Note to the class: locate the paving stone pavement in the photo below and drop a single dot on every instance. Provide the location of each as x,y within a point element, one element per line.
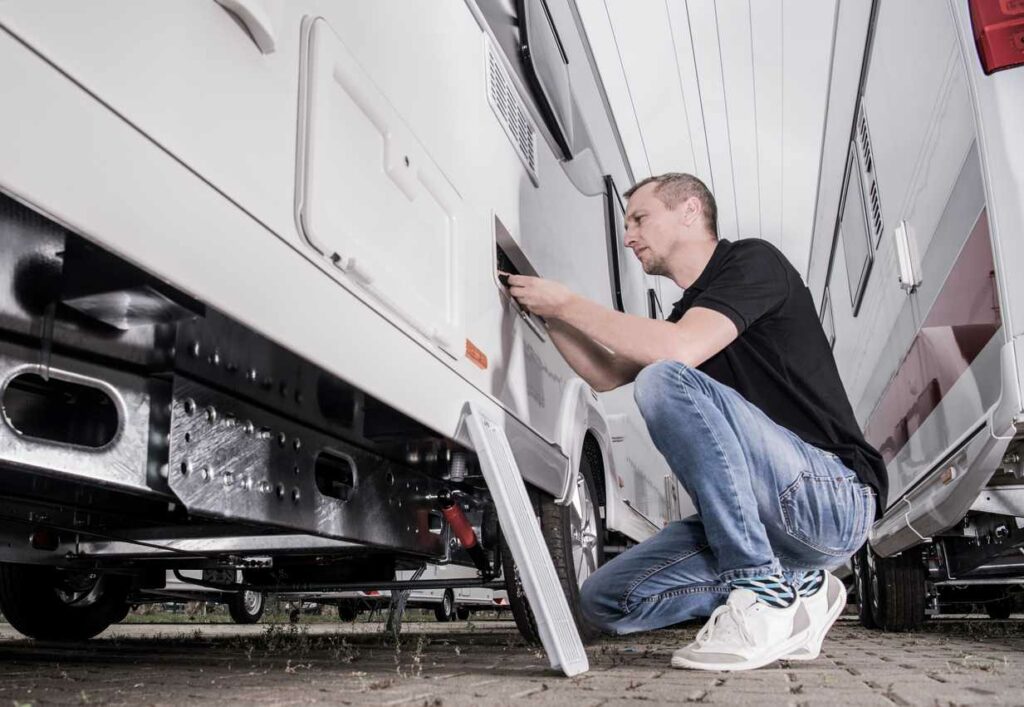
<point>950,662</point>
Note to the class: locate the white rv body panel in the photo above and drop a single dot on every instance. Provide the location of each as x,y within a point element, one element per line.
<point>929,365</point>
<point>190,140</point>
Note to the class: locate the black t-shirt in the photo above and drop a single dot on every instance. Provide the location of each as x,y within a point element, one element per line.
<point>781,361</point>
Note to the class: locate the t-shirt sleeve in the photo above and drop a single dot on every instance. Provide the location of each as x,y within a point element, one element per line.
<point>750,285</point>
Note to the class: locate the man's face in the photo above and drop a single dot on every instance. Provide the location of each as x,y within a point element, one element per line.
<point>653,229</point>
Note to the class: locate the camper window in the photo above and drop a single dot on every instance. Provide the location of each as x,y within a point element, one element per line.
<point>854,235</point>
<point>828,324</point>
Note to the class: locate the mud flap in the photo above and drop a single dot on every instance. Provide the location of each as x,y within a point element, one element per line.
<point>558,632</point>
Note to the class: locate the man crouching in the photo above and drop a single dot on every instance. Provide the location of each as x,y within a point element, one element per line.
<point>742,396</point>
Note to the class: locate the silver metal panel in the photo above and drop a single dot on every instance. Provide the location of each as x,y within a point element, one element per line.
<point>935,505</point>
<point>122,463</point>
<point>1008,501</point>
<point>234,461</point>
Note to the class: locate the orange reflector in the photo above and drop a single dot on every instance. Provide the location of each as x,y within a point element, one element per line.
<point>948,475</point>
<point>475,355</point>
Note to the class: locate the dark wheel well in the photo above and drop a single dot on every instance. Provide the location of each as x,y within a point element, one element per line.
<point>592,452</point>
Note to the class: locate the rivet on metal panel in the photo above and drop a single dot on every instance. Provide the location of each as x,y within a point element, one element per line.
<point>190,406</point>
<point>248,427</point>
<point>251,375</point>
<point>296,469</point>
<point>390,478</point>
<point>280,490</point>
<point>188,437</point>
<point>207,474</point>
<point>282,439</point>
<point>186,468</point>
<point>215,358</point>
<point>194,349</point>
<point>211,415</point>
<point>246,483</point>
<point>295,495</point>
<point>264,486</point>
<point>297,444</point>
<point>228,478</point>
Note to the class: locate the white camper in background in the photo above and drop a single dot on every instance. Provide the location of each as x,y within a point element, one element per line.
<point>913,265</point>
<point>249,290</point>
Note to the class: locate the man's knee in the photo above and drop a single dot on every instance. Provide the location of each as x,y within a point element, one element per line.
<point>599,606</point>
<point>653,385</point>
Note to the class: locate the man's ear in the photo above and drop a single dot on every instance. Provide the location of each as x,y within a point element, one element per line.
<point>691,210</point>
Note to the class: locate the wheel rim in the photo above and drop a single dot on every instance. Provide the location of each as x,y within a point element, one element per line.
<point>876,607</point>
<point>252,601</point>
<point>583,528</point>
<point>447,604</point>
<point>79,589</point>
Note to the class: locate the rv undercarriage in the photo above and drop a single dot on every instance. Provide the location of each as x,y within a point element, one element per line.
<point>143,431</point>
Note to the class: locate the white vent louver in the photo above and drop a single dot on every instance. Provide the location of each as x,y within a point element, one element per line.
<point>867,166</point>
<point>511,112</point>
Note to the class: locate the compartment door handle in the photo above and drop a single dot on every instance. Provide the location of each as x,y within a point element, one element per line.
<point>253,15</point>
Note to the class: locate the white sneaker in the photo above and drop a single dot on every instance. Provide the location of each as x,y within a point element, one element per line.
<point>745,633</point>
<point>823,608</point>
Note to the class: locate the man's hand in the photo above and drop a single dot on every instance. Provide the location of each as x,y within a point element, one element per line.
<point>545,298</point>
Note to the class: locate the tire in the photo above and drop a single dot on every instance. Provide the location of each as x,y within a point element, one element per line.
<point>898,590</point>
<point>348,610</point>
<point>53,605</point>
<point>246,607</point>
<point>862,588</point>
<point>462,613</point>
<point>445,611</point>
<point>574,535</point>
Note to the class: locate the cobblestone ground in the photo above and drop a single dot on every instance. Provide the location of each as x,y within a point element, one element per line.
<point>951,662</point>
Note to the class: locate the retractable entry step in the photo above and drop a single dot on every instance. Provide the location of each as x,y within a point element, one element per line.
<point>522,533</point>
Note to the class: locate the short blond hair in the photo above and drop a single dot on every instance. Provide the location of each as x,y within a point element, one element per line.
<point>673,188</point>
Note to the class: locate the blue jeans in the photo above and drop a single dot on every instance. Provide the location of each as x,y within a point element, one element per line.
<point>767,502</point>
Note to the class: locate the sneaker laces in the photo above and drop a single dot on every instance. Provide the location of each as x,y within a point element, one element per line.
<point>723,619</point>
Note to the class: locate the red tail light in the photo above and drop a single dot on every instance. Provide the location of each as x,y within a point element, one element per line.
<point>999,33</point>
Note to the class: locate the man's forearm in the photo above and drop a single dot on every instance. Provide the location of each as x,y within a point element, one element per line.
<point>634,341</point>
<point>600,368</point>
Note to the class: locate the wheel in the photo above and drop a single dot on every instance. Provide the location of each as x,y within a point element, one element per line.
<point>58,605</point>
<point>574,535</point>
<point>862,588</point>
<point>462,613</point>
<point>445,611</point>
<point>898,591</point>
<point>246,607</point>
<point>348,610</point>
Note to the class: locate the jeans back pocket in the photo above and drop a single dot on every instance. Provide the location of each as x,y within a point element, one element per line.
<point>829,513</point>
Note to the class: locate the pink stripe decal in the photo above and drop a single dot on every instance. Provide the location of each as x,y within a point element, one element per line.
<point>962,321</point>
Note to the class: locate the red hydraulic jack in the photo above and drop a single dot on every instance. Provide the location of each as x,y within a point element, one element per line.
<point>463,530</point>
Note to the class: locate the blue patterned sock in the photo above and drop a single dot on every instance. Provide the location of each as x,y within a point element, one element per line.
<point>810,583</point>
<point>772,589</point>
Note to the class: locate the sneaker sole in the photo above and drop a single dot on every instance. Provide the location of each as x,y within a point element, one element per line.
<point>812,648</point>
<point>759,662</point>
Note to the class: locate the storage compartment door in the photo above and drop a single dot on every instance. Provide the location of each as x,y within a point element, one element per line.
<point>371,198</point>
